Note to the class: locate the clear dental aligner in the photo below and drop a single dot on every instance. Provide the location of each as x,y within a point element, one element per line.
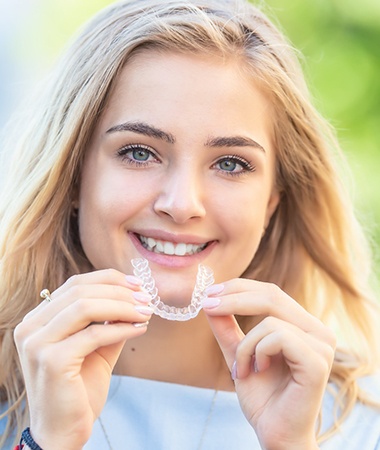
<point>205,278</point>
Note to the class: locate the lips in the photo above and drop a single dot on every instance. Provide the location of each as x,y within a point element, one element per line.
<point>170,248</point>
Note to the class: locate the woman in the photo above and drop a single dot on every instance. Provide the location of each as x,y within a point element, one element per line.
<point>182,132</point>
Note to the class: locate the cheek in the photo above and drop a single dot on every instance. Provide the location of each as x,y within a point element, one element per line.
<point>243,209</point>
<point>243,219</point>
<point>109,196</point>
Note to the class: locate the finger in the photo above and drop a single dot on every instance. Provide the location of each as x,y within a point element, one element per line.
<point>62,298</point>
<point>106,340</point>
<point>305,364</point>
<point>228,335</point>
<point>272,337</point>
<point>107,276</point>
<point>103,339</point>
<point>84,312</point>
<point>254,298</point>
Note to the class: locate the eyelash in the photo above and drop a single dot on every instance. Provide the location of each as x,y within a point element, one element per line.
<point>123,153</point>
<point>246,165</point>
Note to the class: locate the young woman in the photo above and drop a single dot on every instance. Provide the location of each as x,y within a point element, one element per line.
<point>181,132</point>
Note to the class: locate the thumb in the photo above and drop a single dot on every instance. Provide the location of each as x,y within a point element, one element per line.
<point>228,335</point>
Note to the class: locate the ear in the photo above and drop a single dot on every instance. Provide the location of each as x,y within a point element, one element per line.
<point>273,202</point>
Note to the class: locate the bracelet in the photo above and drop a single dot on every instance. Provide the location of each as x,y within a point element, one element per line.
<point>26,438</point>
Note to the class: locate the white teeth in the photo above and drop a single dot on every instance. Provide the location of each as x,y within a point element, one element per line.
<point>170,248</point>
<point>151,242</point>
<point>180,249</point>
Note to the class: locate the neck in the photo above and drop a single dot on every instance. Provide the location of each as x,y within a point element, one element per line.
<point>176,352</point>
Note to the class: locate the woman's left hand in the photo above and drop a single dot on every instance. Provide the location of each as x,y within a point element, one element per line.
<point>281,366</point>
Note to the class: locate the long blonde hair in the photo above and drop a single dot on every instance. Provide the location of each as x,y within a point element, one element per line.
<point>313,247</point>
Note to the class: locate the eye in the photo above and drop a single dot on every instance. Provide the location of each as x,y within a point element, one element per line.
<point>137,154</point>
<point>234,165</point>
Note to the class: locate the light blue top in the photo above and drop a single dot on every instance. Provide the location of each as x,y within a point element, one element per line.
<point>151,415</point>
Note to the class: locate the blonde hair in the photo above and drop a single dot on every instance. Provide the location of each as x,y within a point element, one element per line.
<point>313,247</point>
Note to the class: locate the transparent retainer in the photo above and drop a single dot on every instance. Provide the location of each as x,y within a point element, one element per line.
<point>205,278</point>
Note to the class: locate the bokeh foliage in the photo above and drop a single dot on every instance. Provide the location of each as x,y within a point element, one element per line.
<point>340,41</point>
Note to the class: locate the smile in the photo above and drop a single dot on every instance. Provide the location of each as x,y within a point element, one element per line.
<point>170,248</point>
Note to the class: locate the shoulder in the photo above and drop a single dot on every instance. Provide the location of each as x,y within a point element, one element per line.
<point>361,428</point>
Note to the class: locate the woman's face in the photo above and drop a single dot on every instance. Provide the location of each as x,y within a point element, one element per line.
<point>180,171</point>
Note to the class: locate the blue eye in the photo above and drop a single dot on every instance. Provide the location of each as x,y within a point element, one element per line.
<point>140,154</point>
<point>234,165</point>
<point>137,154</point>
<point>228,165</point>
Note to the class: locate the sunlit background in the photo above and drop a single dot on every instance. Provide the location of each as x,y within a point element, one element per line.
<point>340,41</point>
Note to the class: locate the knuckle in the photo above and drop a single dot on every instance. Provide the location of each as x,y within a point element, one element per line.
<point>111,275</point>
<point>273,295</point>
<point>21,333</point>
<point>30,348</point>
<point>239,284</point>
<point>322,371</point>
<point>18,333</point>
<point>47,360</point>
<point>75,290</point>
<point>94,333</point>
<point>269,323</point>
<point>82,306</point>
<point>331,338</point>
<point>273,292</point>
<point>330,354</point>
<point>112,272</point>
<point>73,280</point>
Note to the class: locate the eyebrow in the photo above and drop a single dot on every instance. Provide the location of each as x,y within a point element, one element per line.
<point>234,141</point>
<point>144,129</point>
<point>151,131</point>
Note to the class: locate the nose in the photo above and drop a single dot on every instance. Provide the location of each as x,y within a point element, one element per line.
<point>181,196</point>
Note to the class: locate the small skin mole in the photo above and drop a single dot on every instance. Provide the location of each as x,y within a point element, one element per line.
<point>133,349</point>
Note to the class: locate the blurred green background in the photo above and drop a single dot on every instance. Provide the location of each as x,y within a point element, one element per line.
<point>340,41</point>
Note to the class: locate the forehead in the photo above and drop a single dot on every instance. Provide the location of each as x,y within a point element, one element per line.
<point>170,89</point>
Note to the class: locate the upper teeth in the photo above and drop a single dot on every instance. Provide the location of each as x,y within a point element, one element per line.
<point>170,248</point>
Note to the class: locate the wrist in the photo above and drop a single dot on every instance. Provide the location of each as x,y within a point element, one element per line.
<point>27,442</point>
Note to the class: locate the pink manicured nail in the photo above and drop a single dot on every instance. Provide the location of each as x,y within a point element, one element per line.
<point>140,324</point>
<point>215,289</point>
<point>254,365</point>
<point>211,302</point>
<point>142,297</point>
<point>234,371</point>
<point>133,280</point>
<point>146,310</point>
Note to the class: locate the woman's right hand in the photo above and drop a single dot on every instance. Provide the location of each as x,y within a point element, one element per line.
<point>68,349</point>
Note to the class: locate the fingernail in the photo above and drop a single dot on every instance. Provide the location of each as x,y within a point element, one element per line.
<point>211,302</point>
<point>234,371</point>
<point>214,289</point>
<point>142,297</point>
<point>133,280</point>
<point>140,324</point>
<point>146,310</point>
<point>255,366</point>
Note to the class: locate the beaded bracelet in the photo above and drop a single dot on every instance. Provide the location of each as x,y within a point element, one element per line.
<point>26,438</point>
